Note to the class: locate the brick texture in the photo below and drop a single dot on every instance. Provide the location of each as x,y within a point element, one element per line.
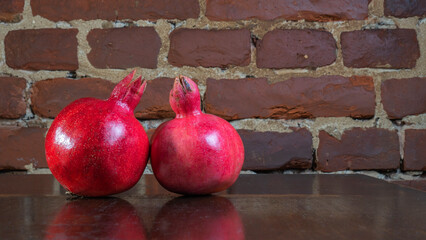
<point>296,49</point>
<point>403,97</point>
<point>12,98</point>
<point>124,47</point>
<point>112,10</point>
<point>273,150</point>
<point>380,48</point>
<point>209,48</point>
<point>415,149</point>
<point>358,149</point>
<point>405,8</point>
<point>155,100</point>
<point>266,59</point>
<point>10,10</point>
<point>42,49</point>
<point>327,96</point>
<point>22,146</point>
<point>230,10</point>
<point>50,96</point>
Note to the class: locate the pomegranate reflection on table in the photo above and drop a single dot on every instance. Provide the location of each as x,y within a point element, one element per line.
<point>206,217</point>
<point>195,153</point>
<point>100,218</point>
<point>97,147</point>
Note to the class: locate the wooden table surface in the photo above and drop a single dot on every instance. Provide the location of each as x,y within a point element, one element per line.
<point>270,206</point>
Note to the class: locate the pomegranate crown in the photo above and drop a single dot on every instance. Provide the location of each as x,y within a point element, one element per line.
<point>129,92</point>
<point>185,97</point>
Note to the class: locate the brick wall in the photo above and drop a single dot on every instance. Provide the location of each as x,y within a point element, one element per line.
<point>310,85</point>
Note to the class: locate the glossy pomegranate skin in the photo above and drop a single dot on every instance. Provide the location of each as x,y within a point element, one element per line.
<point>97,147</point>
<point>195,153</point>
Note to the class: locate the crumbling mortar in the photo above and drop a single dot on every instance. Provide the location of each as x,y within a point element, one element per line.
<point>202,21</point>
<point>376,8</point>
<point>384,175</point>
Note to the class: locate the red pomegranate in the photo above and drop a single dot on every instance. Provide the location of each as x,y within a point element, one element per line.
<point>97,147</point>
<point>195,153</point>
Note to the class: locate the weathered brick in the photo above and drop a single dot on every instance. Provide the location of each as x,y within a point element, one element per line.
<point>273,150</point>
<point>50,96</point>
<point>296,49</point>
<point>230,10</point>
<point>155,100</point>
<point>380,48</point>
<point>42,49</point>
<point>327,96</point>
<point>115,10</point>
<point>124,47</point>
<point>415,149</point>
<point>12,97</point>
<point>22,146</point>
<point>11,10</point>
<point>403,97</point>
<point>405,8</point>
<point>209,48</point>
<point>358,149</point>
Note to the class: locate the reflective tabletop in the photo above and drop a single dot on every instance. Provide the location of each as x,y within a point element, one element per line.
<point>262,206</point>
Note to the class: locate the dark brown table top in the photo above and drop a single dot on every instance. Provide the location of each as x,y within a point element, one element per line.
<point>256,207</point>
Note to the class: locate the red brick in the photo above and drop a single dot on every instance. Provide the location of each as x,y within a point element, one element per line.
<point>273,150</point>
<point>403,97</point>
<point>230,10</point>
<point>11,10</point>
<point>296,49</point>
<point>419,184</point>
<point>124,47</point>
<point>112,10</point>
<point>12,97</point>
<point>358,149</point>
<point>415,149</point>
<point>50,96</point>
<point>327,96</point>
<point>209,48</point>
<point>380,48</point>
<point>155,100</point>
<point>42,49</point>
<point>405,8</point>
<point>22,146</point>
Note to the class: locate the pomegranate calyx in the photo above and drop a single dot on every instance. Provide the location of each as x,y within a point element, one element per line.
<point>185,98</point>
<point>129,92</point>
<point>185,85</point>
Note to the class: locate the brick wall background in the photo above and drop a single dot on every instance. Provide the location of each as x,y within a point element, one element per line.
<point>311,86</point>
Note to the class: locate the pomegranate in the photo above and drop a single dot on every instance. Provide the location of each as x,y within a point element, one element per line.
<point>100,218</point>
<point>210,217</point>
<point>195,153</point>
<point>97,147</point>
